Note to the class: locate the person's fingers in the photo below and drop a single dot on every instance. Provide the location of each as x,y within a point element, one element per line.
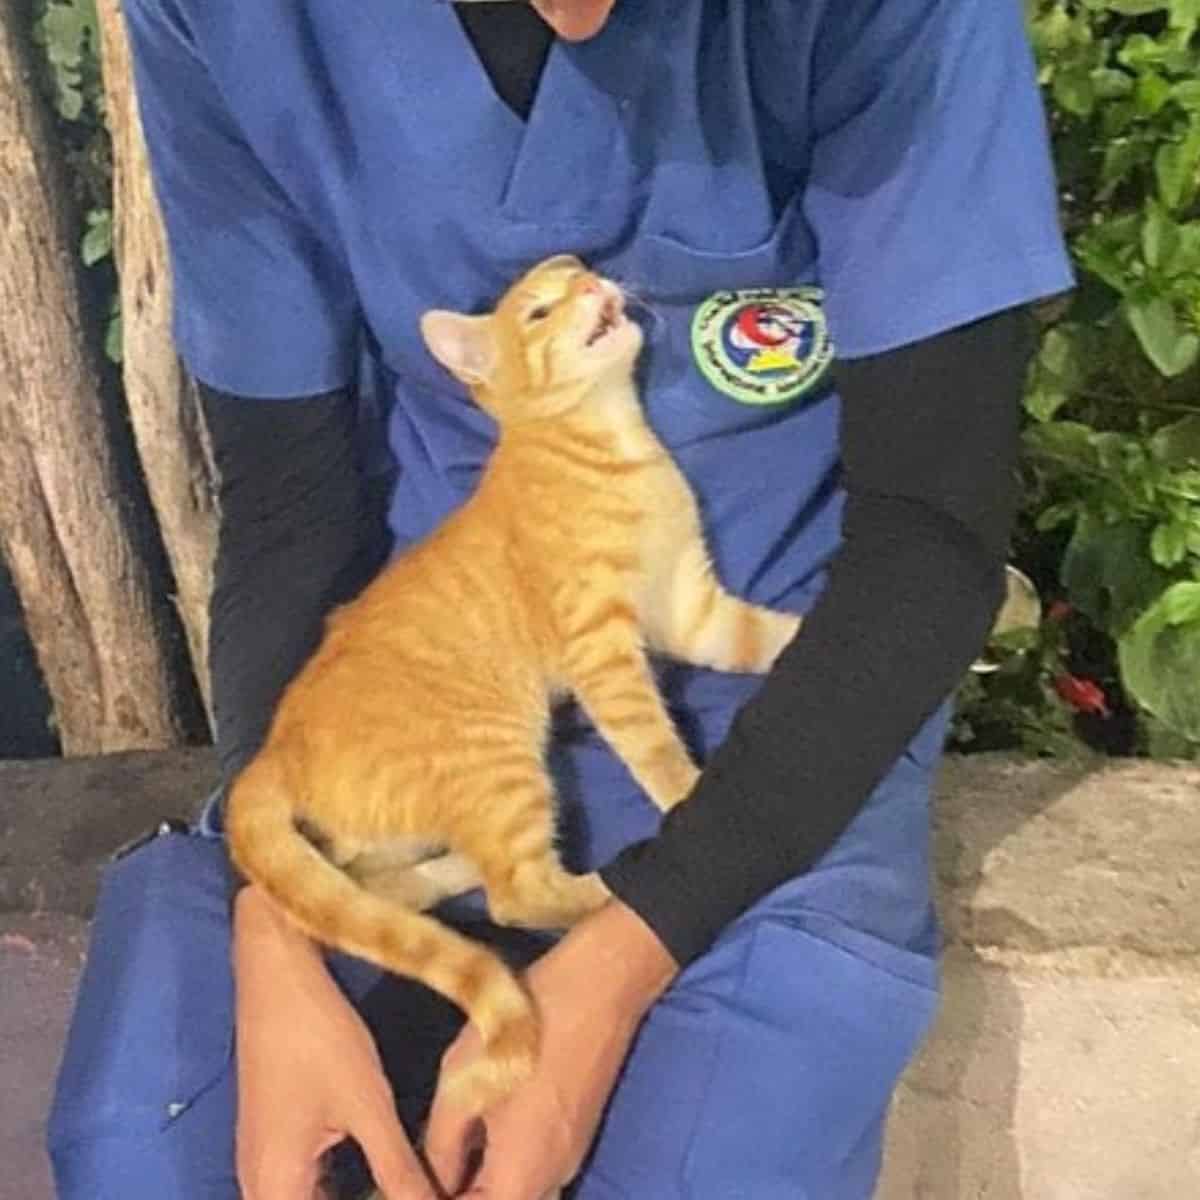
<point>515,1171</point>
<point>394,1165</point>
<point>452,1139</point>
<point>500,1191</point>
<point>484,1192</point>
<point>279,1178</point>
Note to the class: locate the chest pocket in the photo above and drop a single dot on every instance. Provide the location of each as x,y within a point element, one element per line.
<point>671,271</point>
<point>733,337</point>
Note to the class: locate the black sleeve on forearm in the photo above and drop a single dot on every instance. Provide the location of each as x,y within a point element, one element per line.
<point>929,452</point>
<point>300,530</point>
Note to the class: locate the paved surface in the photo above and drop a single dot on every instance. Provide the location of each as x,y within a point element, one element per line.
<point>39,963</point>
<point>60,819</point>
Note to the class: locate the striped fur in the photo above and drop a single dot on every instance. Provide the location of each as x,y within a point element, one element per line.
<point>405,761</point>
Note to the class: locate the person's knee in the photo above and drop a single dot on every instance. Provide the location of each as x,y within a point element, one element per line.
<point>150,1045</point>
<point>778,1051</point>
<point>187,1157</point>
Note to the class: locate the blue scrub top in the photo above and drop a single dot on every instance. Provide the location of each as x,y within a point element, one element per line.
<point>328,171</point>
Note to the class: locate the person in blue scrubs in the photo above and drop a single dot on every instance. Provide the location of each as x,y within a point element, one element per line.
<point>833,214</point>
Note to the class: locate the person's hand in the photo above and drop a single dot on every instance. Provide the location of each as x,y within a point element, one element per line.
<point>592,991</point>
<point>308,1071</point>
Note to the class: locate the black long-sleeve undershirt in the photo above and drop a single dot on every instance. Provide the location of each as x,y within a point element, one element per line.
<point>300,530</point>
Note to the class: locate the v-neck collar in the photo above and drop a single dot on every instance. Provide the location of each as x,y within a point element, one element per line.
<point>563,166</point>
<point>512,43</point>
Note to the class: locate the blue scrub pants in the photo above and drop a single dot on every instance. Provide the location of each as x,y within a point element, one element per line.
<point>764,1073</point>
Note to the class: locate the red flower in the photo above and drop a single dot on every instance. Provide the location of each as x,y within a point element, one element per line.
<point>1060,610</point>
<point>1083,695</point>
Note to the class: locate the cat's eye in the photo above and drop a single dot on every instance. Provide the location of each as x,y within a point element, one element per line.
<point>539,314</point>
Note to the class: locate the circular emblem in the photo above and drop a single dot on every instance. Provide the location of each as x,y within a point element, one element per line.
<point>762,345</point>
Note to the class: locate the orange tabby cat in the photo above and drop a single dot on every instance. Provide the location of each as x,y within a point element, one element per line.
<point>405,762</point>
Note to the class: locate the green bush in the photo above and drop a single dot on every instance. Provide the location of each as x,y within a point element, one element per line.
<point>1110,531</point>
<point>1111,526</point>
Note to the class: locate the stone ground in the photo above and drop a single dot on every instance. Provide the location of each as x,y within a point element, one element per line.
<point>1066,1061</point>
<point>40,959</point>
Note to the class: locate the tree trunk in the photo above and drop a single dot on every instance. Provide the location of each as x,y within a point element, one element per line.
<point>163,406</point>
<point>66,522</point>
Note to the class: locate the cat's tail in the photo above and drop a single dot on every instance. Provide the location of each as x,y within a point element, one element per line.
<point>331,908</point>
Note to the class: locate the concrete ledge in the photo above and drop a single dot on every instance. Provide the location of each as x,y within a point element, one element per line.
<point>61,819</point>
<point>1066,1061</point>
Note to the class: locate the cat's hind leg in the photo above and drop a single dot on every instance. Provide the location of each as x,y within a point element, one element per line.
<point>415,873</point>
<point>422,885</point>
<point>509,836</point>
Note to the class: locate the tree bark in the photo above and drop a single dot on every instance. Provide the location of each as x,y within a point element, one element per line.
<point>163,406</point>
<point>67,528</point>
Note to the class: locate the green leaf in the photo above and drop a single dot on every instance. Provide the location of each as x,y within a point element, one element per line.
<point>1136,8</point>
<point>1168,544</point>
<point>1160,663</point>
<point>1178,444</point>
<point>1069,442</point>
<point>1185,14</point>
<point>1051,33</point>
<point>1186,257</point>
<point>1109,575</point>
<point>1056,514</point>
<point>1150,93</point>
<point>1175,167</point>
<point>1141,50</point>
<point>1042,402</point>
<point>65,29</point>
<point>1181,603</point>
<point>1186,93</point>
<point>1168,347</point>
<point>1185,484</point>
<point>1107,249</point>
<point>70,99</point>
<point>114,340</point>
<point>1121,157</point>
<point>1057,353</point>
<point>1160,236</point>
<point>1074,90</point>
<point>97,241</point>
<point>1111,84</point>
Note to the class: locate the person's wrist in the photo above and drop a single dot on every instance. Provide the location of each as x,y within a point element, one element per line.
<point>627,966</point>
<point>262,933</point>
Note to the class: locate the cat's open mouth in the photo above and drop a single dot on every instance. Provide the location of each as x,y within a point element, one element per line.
<point>610,318</point>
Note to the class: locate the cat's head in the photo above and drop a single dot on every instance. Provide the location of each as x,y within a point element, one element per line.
<point>558,338</point>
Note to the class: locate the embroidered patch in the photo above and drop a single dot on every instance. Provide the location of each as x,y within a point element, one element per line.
<point>762,345</point>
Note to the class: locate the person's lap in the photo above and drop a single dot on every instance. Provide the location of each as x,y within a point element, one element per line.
<point>764,1072</point>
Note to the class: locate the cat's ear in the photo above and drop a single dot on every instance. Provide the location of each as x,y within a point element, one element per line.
<point>463,345</point>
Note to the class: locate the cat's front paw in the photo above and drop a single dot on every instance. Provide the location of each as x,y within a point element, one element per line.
<point>548,900</point>
<point>673,782</point>
<point>764,636</point>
